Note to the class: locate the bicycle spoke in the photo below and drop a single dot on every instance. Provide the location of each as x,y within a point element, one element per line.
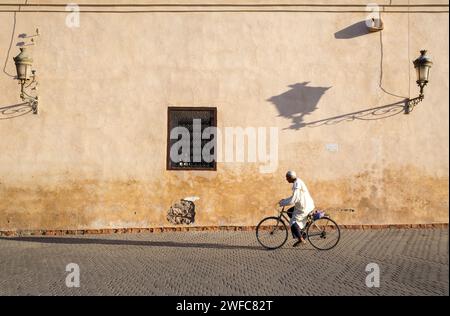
<point>271,233</point>
<point>317,226</point>
<point>323,233</point>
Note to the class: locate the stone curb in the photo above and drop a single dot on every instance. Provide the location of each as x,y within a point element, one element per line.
<point>196,229</point>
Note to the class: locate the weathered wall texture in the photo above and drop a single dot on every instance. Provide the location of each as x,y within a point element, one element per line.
<point>94,156</point>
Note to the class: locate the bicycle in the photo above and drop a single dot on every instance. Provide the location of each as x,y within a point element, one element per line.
<point>321,231</point>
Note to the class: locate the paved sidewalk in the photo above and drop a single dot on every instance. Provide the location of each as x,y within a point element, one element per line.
<point>412,262</point>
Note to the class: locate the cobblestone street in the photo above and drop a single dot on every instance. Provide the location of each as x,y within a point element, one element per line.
<point>412,262</point>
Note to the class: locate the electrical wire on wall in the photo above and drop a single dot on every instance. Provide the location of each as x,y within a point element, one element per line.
<point>409,54</point>
<point>380,84</point>
<point>10,45</point>
<point>13,32</point>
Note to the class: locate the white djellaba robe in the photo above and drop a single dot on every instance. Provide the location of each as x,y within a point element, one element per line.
<point>303,203</point>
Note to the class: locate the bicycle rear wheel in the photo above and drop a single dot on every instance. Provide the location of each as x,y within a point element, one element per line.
<point>272,232</point>
<point>323,233</point>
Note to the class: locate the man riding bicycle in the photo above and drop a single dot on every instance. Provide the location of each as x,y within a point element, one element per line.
<point>303,205</point>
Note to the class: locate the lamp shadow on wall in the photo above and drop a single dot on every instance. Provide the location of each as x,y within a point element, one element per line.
<point>300,100</point>
<point>370,114</point>
<point>352,31</point>
<point>375,113</point>
<point>16,110</point>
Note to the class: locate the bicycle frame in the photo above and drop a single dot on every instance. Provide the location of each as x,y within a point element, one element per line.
<point>281,214</point>
<point>310,221</point>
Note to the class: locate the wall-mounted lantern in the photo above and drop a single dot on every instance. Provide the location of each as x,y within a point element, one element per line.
<point>422,65</point>
<point>26,77</point>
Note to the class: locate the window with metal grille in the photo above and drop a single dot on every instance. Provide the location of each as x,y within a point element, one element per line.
<point>186,138</point>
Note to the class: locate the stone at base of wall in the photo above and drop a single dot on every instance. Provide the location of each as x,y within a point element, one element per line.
<point>195,229</point>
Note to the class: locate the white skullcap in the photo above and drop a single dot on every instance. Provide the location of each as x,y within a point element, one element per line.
<point>291,174</point>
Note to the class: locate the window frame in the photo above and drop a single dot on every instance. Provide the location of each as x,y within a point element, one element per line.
<point>169,167</point>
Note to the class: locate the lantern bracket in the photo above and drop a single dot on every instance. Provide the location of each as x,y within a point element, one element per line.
<point>411,103</point>
<point>30,99</point>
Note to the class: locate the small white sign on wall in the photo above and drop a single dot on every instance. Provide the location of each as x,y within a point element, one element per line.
<point>332,147</point>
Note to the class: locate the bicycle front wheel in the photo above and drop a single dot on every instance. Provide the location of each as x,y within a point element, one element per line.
<point>323,233</point>
<point>272,232</point>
